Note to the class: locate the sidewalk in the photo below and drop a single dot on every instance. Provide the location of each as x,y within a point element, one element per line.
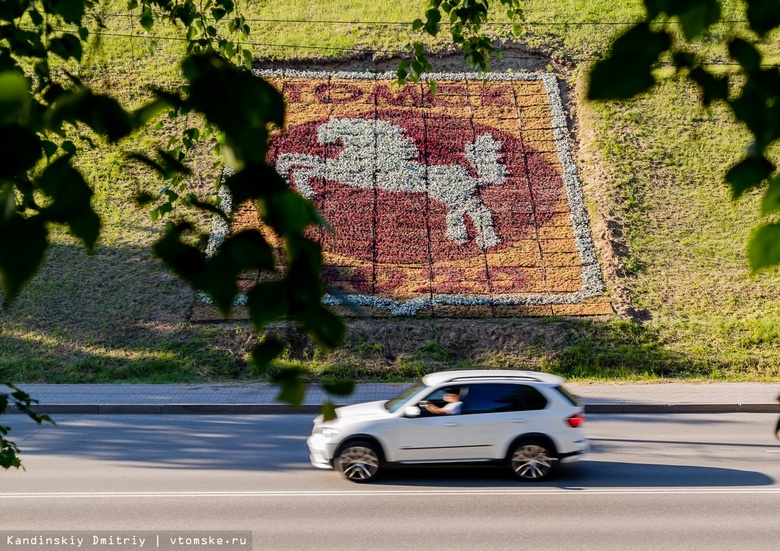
<point>260,398</point>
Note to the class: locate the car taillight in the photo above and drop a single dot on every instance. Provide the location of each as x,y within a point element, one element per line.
<point>575,420</point>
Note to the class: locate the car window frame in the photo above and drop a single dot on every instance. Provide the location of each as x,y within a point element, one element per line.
<point>471,386</point>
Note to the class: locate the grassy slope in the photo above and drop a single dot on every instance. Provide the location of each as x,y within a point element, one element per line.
<point>655,163</point>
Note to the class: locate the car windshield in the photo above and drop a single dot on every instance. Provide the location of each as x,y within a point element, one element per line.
<point>393,404</point>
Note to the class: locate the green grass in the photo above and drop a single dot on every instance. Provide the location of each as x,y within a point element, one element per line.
<point>655,164</point>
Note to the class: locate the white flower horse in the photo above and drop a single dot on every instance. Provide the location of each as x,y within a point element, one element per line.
<point>377,155</point>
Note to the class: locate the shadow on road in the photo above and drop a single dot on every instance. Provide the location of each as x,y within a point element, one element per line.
<point>580,476</point>
<point>228,442</point>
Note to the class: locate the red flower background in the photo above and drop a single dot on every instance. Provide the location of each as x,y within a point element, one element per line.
<point>401,236</point>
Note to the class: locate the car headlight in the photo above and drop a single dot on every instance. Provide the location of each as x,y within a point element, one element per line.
<point>329,432</point>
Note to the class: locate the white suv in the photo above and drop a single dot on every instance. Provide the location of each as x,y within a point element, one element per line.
<point>526,419</point>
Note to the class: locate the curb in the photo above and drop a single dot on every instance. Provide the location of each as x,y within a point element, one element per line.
<point>280,409</point>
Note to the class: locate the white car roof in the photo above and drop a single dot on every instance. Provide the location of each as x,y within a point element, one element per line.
<point>435,379</point>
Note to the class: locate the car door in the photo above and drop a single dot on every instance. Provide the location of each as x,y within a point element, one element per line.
<point>427,437</point>
<point>494,413</point>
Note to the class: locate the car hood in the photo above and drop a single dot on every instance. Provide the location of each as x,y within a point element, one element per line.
<point>368,409</point>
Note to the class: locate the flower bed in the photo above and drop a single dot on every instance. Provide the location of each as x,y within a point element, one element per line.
<point>463,203</point>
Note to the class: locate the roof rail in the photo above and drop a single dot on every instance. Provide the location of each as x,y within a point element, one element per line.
<point>502,377</point>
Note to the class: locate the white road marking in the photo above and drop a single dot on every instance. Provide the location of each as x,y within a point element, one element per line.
<point>391,493</point>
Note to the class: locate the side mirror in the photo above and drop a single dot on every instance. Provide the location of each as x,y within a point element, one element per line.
<point>412,411</point>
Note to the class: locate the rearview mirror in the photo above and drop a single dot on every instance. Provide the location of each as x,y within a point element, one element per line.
<point>412,411</point>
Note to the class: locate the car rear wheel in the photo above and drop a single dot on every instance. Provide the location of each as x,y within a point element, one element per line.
<point>359,461</point>
<point>531,460</point>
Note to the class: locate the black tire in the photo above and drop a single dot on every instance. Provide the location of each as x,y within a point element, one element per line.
<point>531,460</point>
<point>359,461</point>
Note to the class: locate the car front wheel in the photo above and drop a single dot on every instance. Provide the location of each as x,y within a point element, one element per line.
<point>531,460</point>
<point>359,461</point>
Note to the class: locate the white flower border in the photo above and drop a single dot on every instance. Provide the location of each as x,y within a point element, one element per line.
<point>592,283</point>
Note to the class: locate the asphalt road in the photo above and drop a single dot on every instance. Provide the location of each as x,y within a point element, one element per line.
<point>653,482</point>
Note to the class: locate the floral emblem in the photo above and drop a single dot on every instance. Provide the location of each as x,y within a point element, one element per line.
<point>462,203</point>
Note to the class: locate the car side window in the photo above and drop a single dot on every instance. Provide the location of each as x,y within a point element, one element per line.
<point>502,397</point>
<point>435,396</point>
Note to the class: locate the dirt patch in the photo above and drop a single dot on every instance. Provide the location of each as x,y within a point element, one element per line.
<point>516,58</point>
<point>380,343</point>
<point>608,229</point>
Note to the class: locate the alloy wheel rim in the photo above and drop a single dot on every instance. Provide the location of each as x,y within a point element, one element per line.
<point>531,461</point>
<point>359,463</point>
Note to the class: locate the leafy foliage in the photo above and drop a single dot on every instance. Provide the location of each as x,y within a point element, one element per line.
<point>9,457</point>
<point>756,101</point>
<point>463,19</point>
<point>628,71</point>
<point>40,103</point>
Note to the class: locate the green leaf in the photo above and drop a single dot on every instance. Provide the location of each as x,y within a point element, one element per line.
<point>713,88</point>
<point>14,97</point>
<point>764,247</point>
<point>12,10</point>
<point>771,201</point>
<point>35,17</point>
<point>326,328</point>
<point>23,242</point>
<point>184,259</point>
<point>748,173</point>
<point>746,54</point>
<point>265,352</point>
<point>303,273</point>
<point>340,388</point>
<point>417,24</point>
<point>288,213</point>
<point>71,10</point>
<point>247,250</point>
<point>49,148</point>
<point>628,70</point>
<point>21,150</point>
<point>267,301</point>
<point>66,46</point>
<point>8,458</point>
<point>217,274</point>
<point>86,227</point>
<point>101,113</point>
<point>147,18</point>
<point>328,411</point>
<point>763,15</point>
<point>143,115</point>
<point>255,104</point>
<point>71,197</point>
<point>433,16</point>
<point>696,17</point>
<point>292,389</point>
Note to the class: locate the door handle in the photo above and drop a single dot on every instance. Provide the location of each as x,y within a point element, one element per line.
<point>452,425</point>
<point>519,420</point>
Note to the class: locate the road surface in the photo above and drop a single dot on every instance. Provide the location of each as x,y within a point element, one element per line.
<point>652,482</point>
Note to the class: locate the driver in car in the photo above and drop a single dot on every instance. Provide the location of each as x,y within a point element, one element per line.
<point>453,406</point>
